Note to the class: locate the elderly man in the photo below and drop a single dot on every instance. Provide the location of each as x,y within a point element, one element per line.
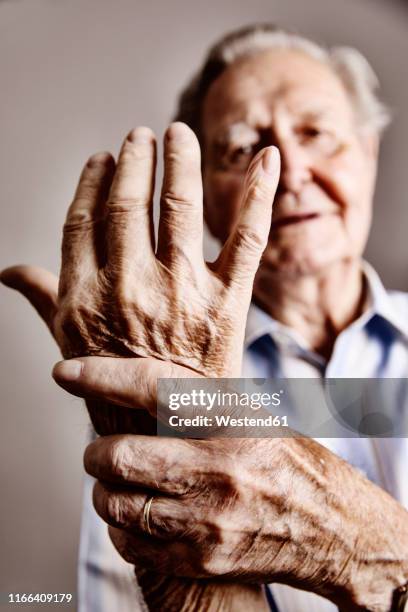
<point>293,513</point>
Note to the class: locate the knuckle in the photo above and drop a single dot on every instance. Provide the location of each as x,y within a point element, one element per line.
<point>162,519</point>
<point>74,323</point>
<point>246,237</point>
<point>127,311</point>
<point>71,317</point>
<point>218,557</point>
<point>110,506</point>
<point>183,485</point>
<point>119,205</point>
<point>212,567</point>
<point>89,459</point>
<point>114,511</point>
<point>169,520</point>
<point>122,289</point>
<point>180,202</point>
<point>78,216</point>
<point>120,459</point>
<point>258,191</point>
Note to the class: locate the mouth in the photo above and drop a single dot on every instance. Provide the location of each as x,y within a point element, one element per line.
<point>293,219</point>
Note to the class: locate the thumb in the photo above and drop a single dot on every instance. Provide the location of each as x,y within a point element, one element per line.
<point>239,258</point>
<point>39,286</point>
<point>129,382</point>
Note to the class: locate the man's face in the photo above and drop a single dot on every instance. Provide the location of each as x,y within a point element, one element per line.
<point>322,209</point>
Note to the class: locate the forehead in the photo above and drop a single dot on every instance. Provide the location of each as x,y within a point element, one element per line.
<point>250,89</point>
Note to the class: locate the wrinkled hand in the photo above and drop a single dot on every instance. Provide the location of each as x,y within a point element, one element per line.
<point>218,508</point>
<point>119,295</point>
<point>256,510</point>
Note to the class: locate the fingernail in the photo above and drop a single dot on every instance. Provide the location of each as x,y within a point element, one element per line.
<point>67,371</point>
<point>140,135</point>
<point>99,159</point>
<point>270,160</point>
<point>178,131</point>
<point>9,278</point>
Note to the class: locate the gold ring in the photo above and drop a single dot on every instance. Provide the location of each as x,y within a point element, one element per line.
<point>146,514</point>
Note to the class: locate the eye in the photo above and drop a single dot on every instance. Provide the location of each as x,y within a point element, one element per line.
<point>311,133</point>
<point>239,157</point>
<point>320,140</point>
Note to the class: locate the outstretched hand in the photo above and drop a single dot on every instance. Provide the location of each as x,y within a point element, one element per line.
<point>120,295</point>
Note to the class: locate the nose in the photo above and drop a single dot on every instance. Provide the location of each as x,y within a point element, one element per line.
<point>295,167</point>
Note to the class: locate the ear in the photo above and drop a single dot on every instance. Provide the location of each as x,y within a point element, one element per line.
<point>371,144</point>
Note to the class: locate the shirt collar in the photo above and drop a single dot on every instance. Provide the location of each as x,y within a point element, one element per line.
<point>378,302</point>
<point>259,324</point>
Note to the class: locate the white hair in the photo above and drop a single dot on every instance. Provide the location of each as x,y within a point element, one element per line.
<point>352,68</point>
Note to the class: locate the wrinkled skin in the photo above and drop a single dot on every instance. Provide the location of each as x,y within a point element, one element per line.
<point>310,277</point>
<point>123,298</point>
<point>119,296</point>
<point>323,206</point>
<point>253,510</point>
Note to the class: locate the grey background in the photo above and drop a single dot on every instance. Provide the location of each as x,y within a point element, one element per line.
<point>75,76</point>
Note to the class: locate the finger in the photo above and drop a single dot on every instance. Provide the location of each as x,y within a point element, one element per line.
<point>130,382</point>
<point>81,240</point>
<point>169,465</point>
<point>39,286</point>
<point>168,517</point>
<point>170,558</point>
<point>130,236</point>
<point>181,205</point>
<point>240,256</point>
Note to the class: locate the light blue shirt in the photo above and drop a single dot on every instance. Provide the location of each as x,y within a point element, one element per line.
<point>373,346</point>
